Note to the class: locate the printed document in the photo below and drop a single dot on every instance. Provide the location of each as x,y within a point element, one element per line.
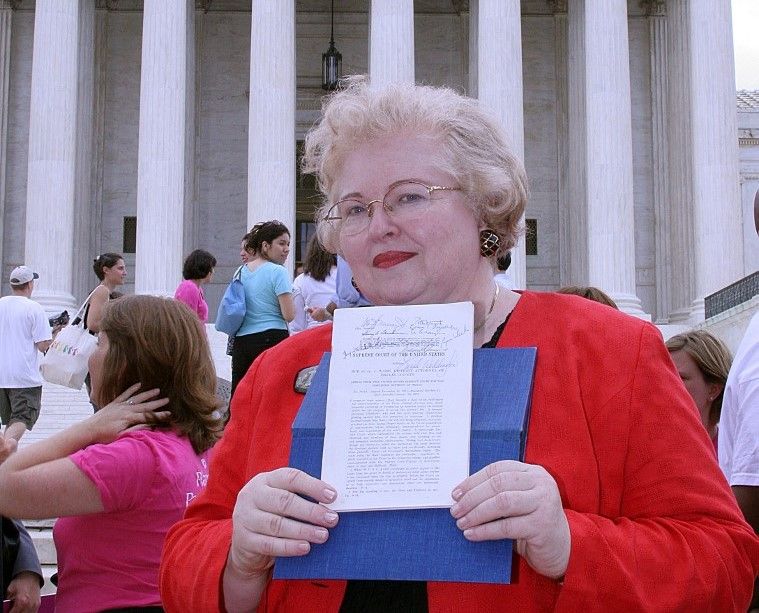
<point>399,402</point>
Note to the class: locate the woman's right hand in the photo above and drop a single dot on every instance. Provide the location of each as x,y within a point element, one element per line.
<point>127,412</point>
<point>271,520</point>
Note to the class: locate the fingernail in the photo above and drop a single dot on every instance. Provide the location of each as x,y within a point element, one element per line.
<point>457,494</point>
<point>462,523</point>
<point>304,547</point>
<point>468,534</point>
<point>455,510</point>
<point>321,535</point>
<point>329,495</point>
<point>330,516</point>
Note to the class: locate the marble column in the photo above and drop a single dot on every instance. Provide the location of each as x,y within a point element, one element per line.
<point>192,234</point>
<point>575,234</point>
<point>657,28</point>
<point>717,231</point>
<point>98,129</point>
<point>166,85</point>
<point>679,154</point>
<point>271,118</point>
<point>562,146</point>
<point>608,150</point>
<point>391,42</point>
<point>51,177</point>
<point>83,248</point>
<point>6,19</point>
<point>498,66</point>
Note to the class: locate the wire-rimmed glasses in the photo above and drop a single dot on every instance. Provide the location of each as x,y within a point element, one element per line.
<point>405,201</point>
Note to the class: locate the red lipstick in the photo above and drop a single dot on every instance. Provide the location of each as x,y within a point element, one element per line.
<point>388,259</point>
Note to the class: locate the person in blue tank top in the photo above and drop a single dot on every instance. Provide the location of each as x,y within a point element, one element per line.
<point>268,296</point>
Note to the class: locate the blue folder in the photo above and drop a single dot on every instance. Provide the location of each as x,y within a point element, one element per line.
<point>419,544</point>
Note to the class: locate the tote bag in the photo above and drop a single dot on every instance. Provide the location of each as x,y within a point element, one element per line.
<point>65,362</point>
<point>231,311</point>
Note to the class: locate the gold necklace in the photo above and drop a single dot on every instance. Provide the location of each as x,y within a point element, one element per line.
<point>490,310</point>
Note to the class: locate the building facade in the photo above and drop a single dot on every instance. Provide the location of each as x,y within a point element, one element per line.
<point>153,128</point>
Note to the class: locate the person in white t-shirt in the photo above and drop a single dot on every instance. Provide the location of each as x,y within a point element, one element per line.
<point>315,287</point>
<point>24,333</point>
<point>739,424</point>
<point>738,444</point>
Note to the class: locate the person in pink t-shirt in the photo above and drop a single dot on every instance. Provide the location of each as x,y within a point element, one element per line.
<point>197,271</point>
<point>121,478</point>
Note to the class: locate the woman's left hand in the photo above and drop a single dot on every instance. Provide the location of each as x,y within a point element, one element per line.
<point>510,499</point>
<point>129,411</point>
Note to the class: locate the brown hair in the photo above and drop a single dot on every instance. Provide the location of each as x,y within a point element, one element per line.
<point>160,343</point>
<point>105,260</point>
<point>589,292</point>
<point>319,261</point>
<point>264,232</point>
<point>712,357</point>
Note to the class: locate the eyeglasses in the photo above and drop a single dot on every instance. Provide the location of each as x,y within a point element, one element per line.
<point>405,201</point>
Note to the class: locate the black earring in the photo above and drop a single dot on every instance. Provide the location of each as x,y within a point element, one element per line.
<point>490,242</point>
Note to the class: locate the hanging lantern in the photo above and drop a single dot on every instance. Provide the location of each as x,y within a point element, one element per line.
<point>332,60</point>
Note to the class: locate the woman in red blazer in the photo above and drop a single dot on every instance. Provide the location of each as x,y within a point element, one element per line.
<point>619,505</point>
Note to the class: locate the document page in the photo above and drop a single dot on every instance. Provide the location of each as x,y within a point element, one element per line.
<point>398,406</point>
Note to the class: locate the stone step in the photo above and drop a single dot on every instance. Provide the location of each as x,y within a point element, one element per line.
<point>43,543</point>
<point>48,570</point>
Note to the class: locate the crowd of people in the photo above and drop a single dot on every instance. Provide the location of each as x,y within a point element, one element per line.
<point>620,503</point>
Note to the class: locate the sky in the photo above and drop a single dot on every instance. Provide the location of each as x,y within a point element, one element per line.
<point>746,36</point>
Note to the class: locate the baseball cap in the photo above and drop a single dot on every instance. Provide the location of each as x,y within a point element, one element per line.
<point>22,274</point>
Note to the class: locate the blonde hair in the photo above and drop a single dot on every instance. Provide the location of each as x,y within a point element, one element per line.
<point>712,357</point>
<point>473,145</point>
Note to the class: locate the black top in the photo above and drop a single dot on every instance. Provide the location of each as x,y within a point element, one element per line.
<point>395,596</point>
<point>385,597</point>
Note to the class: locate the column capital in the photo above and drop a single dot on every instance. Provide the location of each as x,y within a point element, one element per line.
<point>654,8</point>
<point>557,6</point>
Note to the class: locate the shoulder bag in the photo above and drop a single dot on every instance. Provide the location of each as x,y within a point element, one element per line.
<point>231,311</point>
<point>65,362</point>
